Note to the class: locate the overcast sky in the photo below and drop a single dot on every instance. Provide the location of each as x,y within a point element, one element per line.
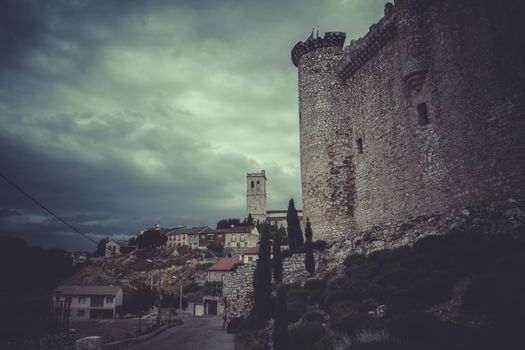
<point>118,115</point>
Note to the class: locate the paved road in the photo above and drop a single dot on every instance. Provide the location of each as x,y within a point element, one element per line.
<point>197,333</point>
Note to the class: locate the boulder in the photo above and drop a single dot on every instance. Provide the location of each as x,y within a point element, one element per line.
<point>89,343</point>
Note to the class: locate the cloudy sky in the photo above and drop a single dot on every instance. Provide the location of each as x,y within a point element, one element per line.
<point>121,114</point>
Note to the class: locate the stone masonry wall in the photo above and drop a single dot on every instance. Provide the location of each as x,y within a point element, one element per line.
<point>436,93</point>
<point>238,287</point>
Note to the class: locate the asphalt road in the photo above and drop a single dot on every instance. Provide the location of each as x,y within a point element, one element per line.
<point>197,333</point>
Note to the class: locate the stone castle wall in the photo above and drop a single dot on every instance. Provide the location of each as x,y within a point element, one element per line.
<point>238,287</point>
<point>435,93</point>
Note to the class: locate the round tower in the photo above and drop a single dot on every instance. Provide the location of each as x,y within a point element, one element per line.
<point>326,150</point>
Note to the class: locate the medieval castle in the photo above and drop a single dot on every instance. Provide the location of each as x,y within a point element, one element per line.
<point>423,115</point>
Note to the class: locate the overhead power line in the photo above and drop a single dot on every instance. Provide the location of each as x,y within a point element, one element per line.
<point>74,229</point>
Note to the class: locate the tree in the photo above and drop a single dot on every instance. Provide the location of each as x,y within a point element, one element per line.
<point>309,261</point>
<point>277,260</point>
<point>151,239</point>
<point>101,247</point>
<point>281,337</point>
<point>138,302</point>
<point>295,234</point>
<point>249,220</point>
<point>262,279</point>
<point>132,242</point>
<point>215,248</point>
<point>227,223</point>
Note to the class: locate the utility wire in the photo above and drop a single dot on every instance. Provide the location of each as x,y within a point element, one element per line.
<point>47,210</point>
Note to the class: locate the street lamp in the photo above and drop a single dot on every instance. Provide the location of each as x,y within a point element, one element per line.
<point>159,303</point>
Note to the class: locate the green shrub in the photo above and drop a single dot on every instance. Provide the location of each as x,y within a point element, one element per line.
<point>355,259</point>
<point>351,321</point>
<point>297,294</point>
<point>234,323</point>
<point>319,245</point>
<point>295,311</point>
<point>314,284</point>
<point>249,324</point>
<point>380,345</point>
<point>498,297</point>
<point>250,340</point>
<point>396,275</point>
<point>305,334</point>
<point>424,329</point>
<point>312,316</point>
<point>431,290</point>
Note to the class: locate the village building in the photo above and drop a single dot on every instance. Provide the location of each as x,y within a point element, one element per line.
<point>221,268</point>
<point>117,247</point>
<point>89,302</point>
<point>185,236</point>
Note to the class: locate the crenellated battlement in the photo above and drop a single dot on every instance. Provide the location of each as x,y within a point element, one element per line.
<point>359,51</point>
<point>330,39</point>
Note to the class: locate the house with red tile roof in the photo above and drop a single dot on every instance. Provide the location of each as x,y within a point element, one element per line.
<point>223,267</point>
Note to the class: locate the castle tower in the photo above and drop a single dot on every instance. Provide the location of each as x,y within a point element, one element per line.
<point>256,196</point>
<point>326,150</point>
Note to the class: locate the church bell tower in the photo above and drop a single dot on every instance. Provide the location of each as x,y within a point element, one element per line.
<point>256,196</point>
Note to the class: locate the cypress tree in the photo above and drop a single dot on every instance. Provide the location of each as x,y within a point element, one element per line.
<point>281,338</point>
<point>295,234</point>
<point>262,279</point>
<point>277,260</point>
<point>309,261</point>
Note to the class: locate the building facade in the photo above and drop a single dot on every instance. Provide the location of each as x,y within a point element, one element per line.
<point>90,302</point>
<point>422,115</point>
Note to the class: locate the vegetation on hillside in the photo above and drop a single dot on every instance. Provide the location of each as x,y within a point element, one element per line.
<point>455,291</point>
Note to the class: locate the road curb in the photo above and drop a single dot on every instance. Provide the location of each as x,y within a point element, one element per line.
<point>135,340</point>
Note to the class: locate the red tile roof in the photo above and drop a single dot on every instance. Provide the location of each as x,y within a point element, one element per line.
<point>188,230</point>
<point>250,251</point>
<point>226,264</point>
<point>87,290</point>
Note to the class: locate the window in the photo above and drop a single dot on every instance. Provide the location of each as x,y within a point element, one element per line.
<point>81,300</point>
<point>238,244</point>
<point>81,313</point>
<point>109,300</point>
<point>258,185</point>
<point>250,258</point>
<point>252,184</point>
<point>359,145</point>
<point>422,114</point>
<point>245,244</point>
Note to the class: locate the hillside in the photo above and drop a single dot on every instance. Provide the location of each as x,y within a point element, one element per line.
<point>456,291</point>
<point>130,271</point>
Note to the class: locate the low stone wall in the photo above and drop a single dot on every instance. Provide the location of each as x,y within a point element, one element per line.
<point>238,287</point>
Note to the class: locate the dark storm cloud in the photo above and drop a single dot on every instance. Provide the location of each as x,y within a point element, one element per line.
<point>122,114</point>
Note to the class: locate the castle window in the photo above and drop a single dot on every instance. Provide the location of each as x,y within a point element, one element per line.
<point>359,146</point>
<point>252,184</point>
<point>422,114</point>
<point>258,185</point>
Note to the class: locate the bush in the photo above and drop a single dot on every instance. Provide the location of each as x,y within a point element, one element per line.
<point>250,323</point>
<point>498,297</point>
<point>379,345</point>
<point>355,259</point>
<point>305,334</point>
<point>350,322</point>
<point>250,340</point>
<point>312,316</point>
<point>319,245</point>
<point>314,284</point>
<point>431,290</point>
<point>299,295</point>
<point>233,324</point>
<point>295,311</point>
<point>425,330</point>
